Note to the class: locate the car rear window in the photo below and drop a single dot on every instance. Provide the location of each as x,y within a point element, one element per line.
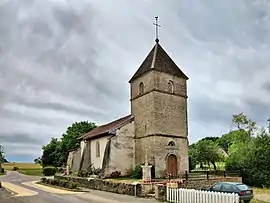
<point>242,187</point>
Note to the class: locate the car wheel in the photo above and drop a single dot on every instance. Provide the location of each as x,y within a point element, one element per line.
<point>246,201</point>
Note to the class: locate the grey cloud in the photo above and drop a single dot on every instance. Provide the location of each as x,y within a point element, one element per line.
<point>75,58</point>
<point>266,87</point>
<point>209,111</point>
<point>20,138</point>
<point>24,117</point>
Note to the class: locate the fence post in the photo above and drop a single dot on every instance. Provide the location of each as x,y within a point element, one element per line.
<point>186,175</point>
<point>207,175</point>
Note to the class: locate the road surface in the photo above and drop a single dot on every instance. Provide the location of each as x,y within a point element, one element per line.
<point>24,190</point>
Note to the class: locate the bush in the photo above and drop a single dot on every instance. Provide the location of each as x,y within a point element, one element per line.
<point>137,172</point>
<point>115,174</point>
<point>49,171</point>
<point>15,168</point>
<point>2,170</point>
<point>83,174</point>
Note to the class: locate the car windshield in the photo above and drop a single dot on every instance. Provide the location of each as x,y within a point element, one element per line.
<point>242,187</point>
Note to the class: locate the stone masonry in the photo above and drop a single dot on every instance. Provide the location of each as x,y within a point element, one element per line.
<point>160,114</point>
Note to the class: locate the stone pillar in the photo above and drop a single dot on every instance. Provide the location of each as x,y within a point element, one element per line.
<point>146,171</point>
<point>67,170</point>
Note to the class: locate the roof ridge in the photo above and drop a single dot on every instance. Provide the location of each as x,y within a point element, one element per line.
<point>106,128</point>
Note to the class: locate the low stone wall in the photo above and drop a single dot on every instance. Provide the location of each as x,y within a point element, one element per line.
<point>104,185</point>
<point>198,184</point>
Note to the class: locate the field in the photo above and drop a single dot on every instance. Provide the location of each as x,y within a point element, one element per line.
<point>25,168</point>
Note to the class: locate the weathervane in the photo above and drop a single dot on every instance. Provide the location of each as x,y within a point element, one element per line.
<point>157,25</point>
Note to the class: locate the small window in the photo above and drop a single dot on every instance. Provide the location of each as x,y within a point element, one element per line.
<point>170,87</point>
<point>171,143</point>
<point>141,88</point>
<point>97,149</point>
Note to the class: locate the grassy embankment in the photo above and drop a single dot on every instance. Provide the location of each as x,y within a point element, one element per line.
<point>25,168</point>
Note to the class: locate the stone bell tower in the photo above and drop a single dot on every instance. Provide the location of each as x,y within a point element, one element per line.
<point>159,106</point>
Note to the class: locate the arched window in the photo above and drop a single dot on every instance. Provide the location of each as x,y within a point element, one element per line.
<point>171,143</point>
<point>170,87</point>
<point>141,88</point>
<point>97,149</point>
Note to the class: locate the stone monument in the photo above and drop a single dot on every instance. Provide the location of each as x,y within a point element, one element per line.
<point>146,169</point>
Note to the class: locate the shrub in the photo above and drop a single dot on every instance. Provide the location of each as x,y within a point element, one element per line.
<point>115,174</point>
<point>137,172</point>
<point>83,174</point>
<point>15,168</point>
<point>2,170</point>
<point>96,171</point>
<point>49,171</point>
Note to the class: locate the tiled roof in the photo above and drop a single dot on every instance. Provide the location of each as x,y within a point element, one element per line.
<point>158,60</point>
<point>105,129</point>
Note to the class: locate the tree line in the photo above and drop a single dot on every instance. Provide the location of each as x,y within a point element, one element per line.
<point>247,146</point>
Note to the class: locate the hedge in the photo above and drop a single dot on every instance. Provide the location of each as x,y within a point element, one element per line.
<point>49,171</point>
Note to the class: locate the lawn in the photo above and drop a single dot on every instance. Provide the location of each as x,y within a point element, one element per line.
<point>257,201</point>
<point>32,172</point>
<point>258,191</point>
<point>10,166</point>
<point>25,168</point>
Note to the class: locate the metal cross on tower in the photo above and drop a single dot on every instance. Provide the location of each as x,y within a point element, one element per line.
<point>157,26</point>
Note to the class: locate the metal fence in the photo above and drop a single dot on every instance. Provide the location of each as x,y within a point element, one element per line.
<point>209,174</point>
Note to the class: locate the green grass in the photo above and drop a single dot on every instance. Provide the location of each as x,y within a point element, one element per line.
<point>32,172</point>
<point>25,168</point>
<point>257,201</point>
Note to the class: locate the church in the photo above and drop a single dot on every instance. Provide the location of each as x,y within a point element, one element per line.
<point>156,129</point>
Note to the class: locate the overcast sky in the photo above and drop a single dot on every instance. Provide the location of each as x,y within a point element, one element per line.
<point>66,61</point>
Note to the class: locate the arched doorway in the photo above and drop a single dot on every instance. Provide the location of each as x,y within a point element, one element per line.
<point>172,165</point>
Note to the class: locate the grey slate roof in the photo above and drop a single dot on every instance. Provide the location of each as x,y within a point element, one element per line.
<point>159,60</point>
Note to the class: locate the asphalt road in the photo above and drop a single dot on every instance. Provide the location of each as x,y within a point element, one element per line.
<point>22,189</point>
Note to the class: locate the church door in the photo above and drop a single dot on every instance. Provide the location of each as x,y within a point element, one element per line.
<point>172,165</point>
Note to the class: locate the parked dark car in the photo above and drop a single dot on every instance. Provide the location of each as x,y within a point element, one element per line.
<point>245,192</point>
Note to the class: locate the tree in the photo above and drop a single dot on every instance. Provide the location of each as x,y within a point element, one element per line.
<point>214,139</point>
<point>244,124</point>
<point>51,153</point>
<point>206,151</point>
<point>252,159</point>
<point>2,159</point>
<point>56,152</point>
<point>37,160</point>
<point>70,140</point>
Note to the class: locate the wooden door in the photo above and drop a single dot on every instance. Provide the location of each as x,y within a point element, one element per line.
<point>172,165</point>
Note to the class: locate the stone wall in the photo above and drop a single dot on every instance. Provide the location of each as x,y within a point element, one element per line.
<point>104,185</point>
<point>122,145</point>
<point>74,159</point>
<point>160,117</point>
<point>198,184</point>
